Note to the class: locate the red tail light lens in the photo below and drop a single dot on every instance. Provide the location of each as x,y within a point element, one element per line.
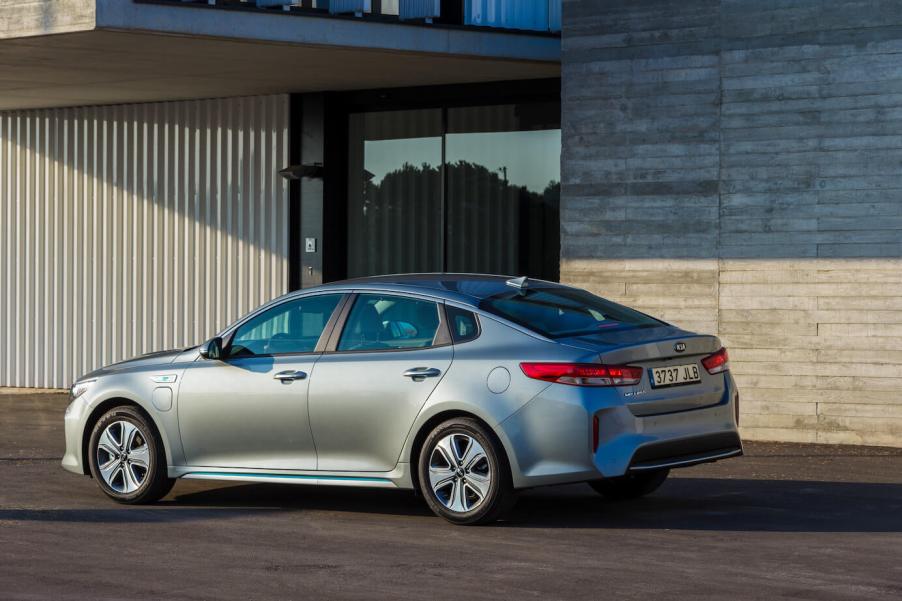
<point>583,374</point>
<point>718,362</point>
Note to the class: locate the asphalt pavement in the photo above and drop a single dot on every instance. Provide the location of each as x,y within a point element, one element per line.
<point>785,521</point>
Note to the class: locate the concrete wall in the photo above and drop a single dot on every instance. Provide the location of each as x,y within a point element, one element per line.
<point>735,166</point>
<point>24,18</point>
<point>134,228</point>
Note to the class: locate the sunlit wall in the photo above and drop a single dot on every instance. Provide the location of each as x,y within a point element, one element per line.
<point>734,167</point>
<point>130,229</point>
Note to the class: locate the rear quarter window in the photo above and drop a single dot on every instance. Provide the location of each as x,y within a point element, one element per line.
<point>463,324</point>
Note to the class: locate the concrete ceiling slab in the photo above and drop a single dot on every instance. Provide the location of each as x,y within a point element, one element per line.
<point>103,67</point>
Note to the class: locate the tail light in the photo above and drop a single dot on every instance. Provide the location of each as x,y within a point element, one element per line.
<point>718,362</point>
<point>583,374</point>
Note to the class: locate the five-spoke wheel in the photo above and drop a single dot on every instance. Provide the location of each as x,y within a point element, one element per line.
<point>127,458</point>
<point>463,473</point>
<point>123,456</point>
<point>459,472</point>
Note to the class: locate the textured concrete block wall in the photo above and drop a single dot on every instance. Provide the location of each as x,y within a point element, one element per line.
<point>20,18</point>
<point>735,166</point>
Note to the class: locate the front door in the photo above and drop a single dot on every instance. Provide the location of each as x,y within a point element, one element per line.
<point>250,409</point>
<point>391,354</point>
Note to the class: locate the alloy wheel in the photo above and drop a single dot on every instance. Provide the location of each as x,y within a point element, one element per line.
<point>123,457</point>
<point>459,472</point>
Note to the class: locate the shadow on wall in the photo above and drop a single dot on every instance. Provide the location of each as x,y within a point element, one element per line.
<point>128,229</point>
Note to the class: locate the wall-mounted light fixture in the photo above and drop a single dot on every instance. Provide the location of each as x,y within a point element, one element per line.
<point>296,172</point>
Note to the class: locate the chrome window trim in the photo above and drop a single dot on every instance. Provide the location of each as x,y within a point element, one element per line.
<point>350,289</point>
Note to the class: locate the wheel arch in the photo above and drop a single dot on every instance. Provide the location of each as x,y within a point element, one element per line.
<point>98,412</point>
<point>427,426</point>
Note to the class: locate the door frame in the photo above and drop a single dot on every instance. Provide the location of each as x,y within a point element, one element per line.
<point>228,334</point>
<point>339,105</point>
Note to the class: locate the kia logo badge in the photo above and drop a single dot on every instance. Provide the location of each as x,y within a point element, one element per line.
<point>679,347</point>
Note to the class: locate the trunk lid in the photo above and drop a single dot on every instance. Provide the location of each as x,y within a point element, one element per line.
<point>657,347</point>
<point>644,344</point>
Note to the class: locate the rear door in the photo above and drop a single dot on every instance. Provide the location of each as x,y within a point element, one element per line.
<point>374,378</point>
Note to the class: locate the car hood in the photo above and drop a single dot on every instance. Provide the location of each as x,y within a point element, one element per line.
<point>148,360</point>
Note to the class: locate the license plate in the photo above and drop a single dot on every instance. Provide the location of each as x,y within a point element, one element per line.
<point>674,375</point>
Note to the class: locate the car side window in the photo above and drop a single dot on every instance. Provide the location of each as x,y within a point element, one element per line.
<point>385,322</point>
<point>291,327</point>
<point>463,324</point>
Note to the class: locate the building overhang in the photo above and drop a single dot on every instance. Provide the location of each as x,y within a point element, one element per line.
<point>85,52</point>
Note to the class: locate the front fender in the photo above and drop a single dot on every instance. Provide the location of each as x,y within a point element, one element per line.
<point>135,388</point>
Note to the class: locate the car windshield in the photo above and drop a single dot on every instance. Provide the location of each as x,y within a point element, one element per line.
<point>562,312</point>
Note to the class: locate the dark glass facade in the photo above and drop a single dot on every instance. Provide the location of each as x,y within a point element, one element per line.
<point>454,188</point>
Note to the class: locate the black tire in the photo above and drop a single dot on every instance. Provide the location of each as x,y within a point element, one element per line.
<point>500,496</point>
<point>631,486</point>
<point>155,483</point>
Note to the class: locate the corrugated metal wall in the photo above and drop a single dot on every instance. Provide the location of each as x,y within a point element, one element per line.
<point>539,15</point>
<point>134,228</point>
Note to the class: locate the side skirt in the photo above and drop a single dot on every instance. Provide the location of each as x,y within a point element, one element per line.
<point>291,479</point>
<point>397,478</point>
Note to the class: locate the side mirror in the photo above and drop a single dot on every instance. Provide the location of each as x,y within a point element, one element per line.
<point>212,349</point>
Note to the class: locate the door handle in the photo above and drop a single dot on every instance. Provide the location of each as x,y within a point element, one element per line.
<point>290,375</point>
<point>422,372</point>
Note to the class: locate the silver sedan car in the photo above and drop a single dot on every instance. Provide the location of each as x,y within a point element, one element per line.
<point>465,388</point>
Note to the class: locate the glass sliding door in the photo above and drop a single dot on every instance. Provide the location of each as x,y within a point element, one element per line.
<point>503,189</point>
<point>457,189</point>
<point>395,192</point>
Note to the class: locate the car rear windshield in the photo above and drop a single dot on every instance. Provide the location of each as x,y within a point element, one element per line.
<point>563,312</point>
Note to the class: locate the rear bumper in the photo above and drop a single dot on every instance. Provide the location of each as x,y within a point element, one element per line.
<point>671,454</point>
<point>549,441</point>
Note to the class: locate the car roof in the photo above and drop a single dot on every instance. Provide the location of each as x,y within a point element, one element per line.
<point>465,288</point>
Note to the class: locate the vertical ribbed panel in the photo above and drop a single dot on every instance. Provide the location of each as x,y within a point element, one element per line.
<point>349,6</point>
<point>135,228</point>
<point>536,15</point>
<point>419,9</point>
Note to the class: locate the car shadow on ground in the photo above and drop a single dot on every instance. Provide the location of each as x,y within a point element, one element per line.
<point>122,514</point>
<point>681,504</point>
<point>727,505</point>
<point>703,504</point>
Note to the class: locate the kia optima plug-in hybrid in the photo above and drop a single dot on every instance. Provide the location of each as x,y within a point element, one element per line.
<point>465,388</point>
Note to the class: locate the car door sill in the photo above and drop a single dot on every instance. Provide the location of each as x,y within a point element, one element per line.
<point>283,478</point>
